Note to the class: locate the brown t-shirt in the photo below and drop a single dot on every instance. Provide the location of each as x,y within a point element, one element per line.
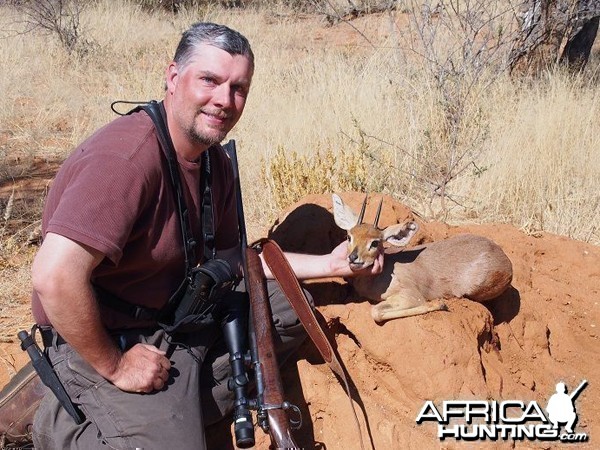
<point>114,194</point>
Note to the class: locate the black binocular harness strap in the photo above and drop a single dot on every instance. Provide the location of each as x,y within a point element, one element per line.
<point>157,113</point>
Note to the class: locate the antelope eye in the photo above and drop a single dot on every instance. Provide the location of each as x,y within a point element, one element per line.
<point>374,244</point>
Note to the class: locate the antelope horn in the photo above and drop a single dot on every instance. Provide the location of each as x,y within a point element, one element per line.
<point>378,213</point>
<point>362,211</point>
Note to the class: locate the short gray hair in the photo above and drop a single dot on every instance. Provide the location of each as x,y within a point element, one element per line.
<point>213,34</point>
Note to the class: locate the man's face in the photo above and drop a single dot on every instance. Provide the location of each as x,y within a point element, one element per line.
<point>209,93</point>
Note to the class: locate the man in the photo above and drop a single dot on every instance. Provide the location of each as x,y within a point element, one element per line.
<point>111,222</point>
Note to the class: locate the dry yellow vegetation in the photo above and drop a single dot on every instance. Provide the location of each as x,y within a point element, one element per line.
<point>526,150</point>
<point>368,104</point>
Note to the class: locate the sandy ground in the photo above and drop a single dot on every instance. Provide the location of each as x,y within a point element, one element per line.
<point>543,330</point>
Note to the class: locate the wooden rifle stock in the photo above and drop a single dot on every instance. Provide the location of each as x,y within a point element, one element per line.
<point>270,400</point>
<point>269,404</point>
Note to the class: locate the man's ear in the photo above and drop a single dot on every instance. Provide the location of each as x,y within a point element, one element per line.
<point>344,217</point>
<point>171,75</point>
<point>401,234</point>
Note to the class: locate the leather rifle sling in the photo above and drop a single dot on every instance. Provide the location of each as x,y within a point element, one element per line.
<point>285,277</point>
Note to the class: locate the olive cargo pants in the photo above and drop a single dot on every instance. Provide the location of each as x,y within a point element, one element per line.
<point>196,394</point>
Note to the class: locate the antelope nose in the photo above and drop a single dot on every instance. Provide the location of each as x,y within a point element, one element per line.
<point>352,257</point>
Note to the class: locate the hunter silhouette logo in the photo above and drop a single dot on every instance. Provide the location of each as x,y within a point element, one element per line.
<point>561,406</point>
<point>471,420</point>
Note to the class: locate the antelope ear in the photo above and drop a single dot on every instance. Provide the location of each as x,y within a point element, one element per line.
<point>401,234</point>
<point>344,217</point>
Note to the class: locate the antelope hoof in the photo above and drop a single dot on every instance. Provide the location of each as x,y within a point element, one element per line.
<point>377,315</point>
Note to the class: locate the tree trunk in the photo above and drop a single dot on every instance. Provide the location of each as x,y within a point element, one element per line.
<point>555,31</point>
<point>577,51</point>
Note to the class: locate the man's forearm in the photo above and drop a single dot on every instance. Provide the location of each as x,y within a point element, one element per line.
<point>61,275</point>
<point>76,318</point>
<point>309,266</point>
<point>334,264</point>
<point>75,315</point>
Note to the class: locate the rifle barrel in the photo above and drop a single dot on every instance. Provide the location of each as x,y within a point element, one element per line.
<point>231,151</point>
<point>261,343</point>
<point>578,390</point>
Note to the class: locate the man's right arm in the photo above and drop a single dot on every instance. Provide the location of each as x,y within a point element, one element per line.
<point>61,274</point>
<point>334,264</point>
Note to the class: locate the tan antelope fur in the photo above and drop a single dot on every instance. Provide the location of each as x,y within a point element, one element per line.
<point>415,281</point>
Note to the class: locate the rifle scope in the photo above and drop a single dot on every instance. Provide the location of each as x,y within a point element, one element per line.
<point>234,327</point>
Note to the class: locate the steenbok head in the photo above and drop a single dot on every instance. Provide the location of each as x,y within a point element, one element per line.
<point>365,241</point>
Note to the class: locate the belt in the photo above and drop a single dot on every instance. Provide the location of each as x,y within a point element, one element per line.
<point>50,337</point>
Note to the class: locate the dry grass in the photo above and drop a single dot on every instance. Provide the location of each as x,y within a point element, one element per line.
<point>544,162</point>
<point>290,177</point>
<point>332,108</point>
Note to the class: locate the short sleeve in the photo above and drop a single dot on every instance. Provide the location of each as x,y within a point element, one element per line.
<point>99,205</point>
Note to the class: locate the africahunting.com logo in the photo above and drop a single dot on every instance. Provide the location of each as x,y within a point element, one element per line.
<point>472,420</point>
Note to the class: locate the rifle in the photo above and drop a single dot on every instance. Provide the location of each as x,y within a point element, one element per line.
<point>270,405</point>
<point>269,402</point>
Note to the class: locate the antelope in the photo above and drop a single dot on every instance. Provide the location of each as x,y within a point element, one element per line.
<point>416,281</point>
